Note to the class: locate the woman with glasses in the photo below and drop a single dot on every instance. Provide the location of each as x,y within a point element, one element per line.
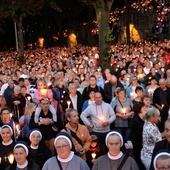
<point>66,158</point>
<point>151,135</point>
<point>38,151</point>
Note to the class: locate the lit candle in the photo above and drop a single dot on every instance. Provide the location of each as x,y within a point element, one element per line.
<point>0,94</point>
<point>133,95</point>
<point>68,103</point>
<point>134,69</point>
<point>43,92</point>
<point>17,129</point>
<point>102,119</point>
<point>10,115</point>
<point>140,76</point>
<point>29,98</point>
<point>11,158</point>
<point>124,111</point>
<point>0,160</point>
<point>93,155</point>
<point>150,91</point>
<point>162,69</point>
<point>162,105</point>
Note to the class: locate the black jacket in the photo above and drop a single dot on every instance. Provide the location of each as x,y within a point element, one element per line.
<point>108,91</point>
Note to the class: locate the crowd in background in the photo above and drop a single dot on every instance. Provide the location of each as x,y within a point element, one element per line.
<point>62,99</point>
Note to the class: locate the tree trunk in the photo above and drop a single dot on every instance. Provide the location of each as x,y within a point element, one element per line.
<point>102,8</point>
<point>20,40</point>
<point>128,12</point>
<point>89,27</point>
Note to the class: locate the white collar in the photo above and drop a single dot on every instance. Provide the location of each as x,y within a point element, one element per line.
<point>115,157</point>
<point>8,143</point>
<point>23,165</point>
<point>34,147</point>
<point>67,159</point>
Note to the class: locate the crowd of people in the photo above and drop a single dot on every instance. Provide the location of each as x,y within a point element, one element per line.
<point>61,110</point>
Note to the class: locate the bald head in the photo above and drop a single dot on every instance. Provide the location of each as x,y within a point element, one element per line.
<point>162,83</point>
<point>113,80</point>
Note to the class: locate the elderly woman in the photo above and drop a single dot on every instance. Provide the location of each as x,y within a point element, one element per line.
<point>38,151</point>
<point>65,159</point>
<point>6,145</point>
<point>151,135</point>
<point>21,162</point>
<point>115,159</point>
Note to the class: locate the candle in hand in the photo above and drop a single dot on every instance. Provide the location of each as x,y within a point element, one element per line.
<point>93,155</point>
<point>68,103</point>
<point>43,92</point>
<point>102,119</point>
<point>11,158</point>
<point>29,98</point>
<point>124,111</point>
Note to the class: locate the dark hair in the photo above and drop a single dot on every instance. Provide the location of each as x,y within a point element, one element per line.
<point>138,88</point>
<point>145,96</point>
<point>121,89</point>
<point>92,76</point>
<point>5,108</point>
<point>20,79</point>
<point>137,107</point>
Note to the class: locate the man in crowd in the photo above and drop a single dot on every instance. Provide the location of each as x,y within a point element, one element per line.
<point>79,133</point>
<point>102,115</point>
<point>46,122</point>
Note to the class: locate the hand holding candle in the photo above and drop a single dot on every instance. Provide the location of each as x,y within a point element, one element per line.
<point>29,98</point>
<point>43,92</point>
<point>124,111</point>
<point>93,155</point>
<point>101,119</point>
<point>68,103</point>
<point>11,158</point>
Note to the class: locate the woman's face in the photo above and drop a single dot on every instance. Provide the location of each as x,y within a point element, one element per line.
<point>114,144</point>
<point>5,116</point>
<point>91,95</point>
<point>35,139</point>
<point>147,102</point>
<point>20,155</point>
<point>41,85</point>
<point>62,148</point>
<point>121,95</point>
<point>6,135</point>
<point>156,118</point>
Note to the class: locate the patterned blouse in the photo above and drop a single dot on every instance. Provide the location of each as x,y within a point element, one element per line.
<point>151,135</point>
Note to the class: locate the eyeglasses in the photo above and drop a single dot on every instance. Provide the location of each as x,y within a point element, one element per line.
<point>61,147</point>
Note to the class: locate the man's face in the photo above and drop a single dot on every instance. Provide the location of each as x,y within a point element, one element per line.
<point>167,131</point>
<point>98,98</point>
<point>74,117</point>
<point>44,105</point>
<point>92,81</point>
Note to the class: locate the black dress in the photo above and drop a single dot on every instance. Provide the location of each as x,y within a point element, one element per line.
<point>5,151</point>
<point>40,155</point>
